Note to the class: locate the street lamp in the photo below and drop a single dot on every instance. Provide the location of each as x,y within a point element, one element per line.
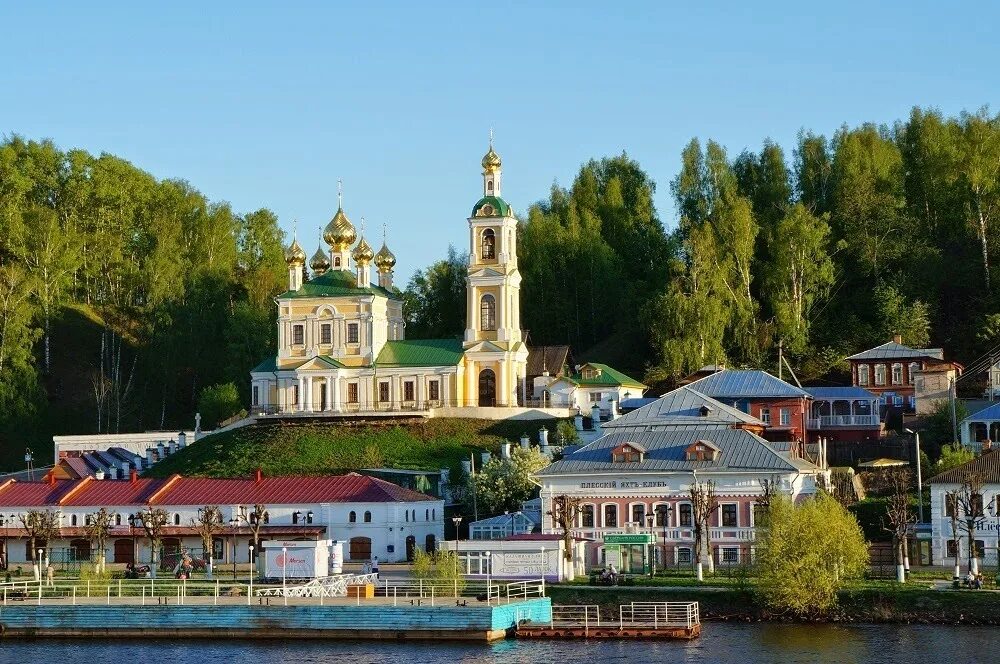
<point>284,565</point>
<point>133,519</point>
<point>489,570</point>
<point>457,520</point>
<point>253,572</point>
<point>662,512</point>
<point>920,482</point>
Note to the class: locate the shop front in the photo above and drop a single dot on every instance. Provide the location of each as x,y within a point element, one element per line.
<point>628,552</point>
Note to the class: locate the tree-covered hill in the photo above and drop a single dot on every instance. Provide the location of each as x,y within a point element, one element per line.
<point>314,449</point>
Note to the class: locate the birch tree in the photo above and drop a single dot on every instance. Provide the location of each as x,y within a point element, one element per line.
<point>564,513</point>
<point>208,524</point>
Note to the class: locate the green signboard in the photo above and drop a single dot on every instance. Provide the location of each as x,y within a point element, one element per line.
<point>631,538</point>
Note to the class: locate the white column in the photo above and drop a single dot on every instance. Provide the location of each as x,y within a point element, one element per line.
<point>503,398</point>
<point>329,393</point>
<point>336,394</point>
<point>302,392</point>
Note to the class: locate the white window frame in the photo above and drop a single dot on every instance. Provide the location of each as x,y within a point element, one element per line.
<point>595,521</point>
<point>326,329</point>
<point>618,520</point>
<point>356,327</point>
<point>677,514</point>
<point>677,555</point>
<point>299,328</point>
<point>879,368</point>
<point>785,417</point>
<point>730,502</point>
<point>645,511</point>
<point>896,366</point>
<point>863,374</point>
<point>765,416</point>
<point>256,395</point>
<point>913,368</point>
<point>655,506</point>
<point>722,554</point>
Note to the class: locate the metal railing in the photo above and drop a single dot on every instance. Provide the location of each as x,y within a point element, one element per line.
<point>576,615</point>
<point>658,614</point>
<point>327,586</point>
<point>843,421</point>
<point>526,589</point>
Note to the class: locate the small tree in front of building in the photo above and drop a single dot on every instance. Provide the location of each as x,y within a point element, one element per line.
<point>898,515</point>
<point>40,526</point>
<point>503,484</point>
<point>704,504</point>
<point>154,520</point>
<point>564,512</point>
<point>208,524</point>
<point>98,527</point>
<point>951,508</point>
<point>806,553</point>
<point>970,502</point>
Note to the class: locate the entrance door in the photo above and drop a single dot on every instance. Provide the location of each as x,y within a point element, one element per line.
<point>487,388</point>
<point>430,544</point>
<point>361,548</point>
<point>411,545</point>
<point>322,396</point>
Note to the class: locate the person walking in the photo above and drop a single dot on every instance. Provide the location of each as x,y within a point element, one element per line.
<point>375,566</point>
<point>50,573</point>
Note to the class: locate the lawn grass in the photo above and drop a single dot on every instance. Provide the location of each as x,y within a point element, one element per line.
<point>282,448</point>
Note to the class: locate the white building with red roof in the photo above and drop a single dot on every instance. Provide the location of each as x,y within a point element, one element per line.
<point>372,517</point>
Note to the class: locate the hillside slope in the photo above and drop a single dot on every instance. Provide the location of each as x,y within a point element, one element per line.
<point>315,449</point>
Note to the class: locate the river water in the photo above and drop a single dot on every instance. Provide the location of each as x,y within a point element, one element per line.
<point>722,643</point>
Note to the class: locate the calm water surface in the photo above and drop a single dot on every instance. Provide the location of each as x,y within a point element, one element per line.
<point>745,644</point>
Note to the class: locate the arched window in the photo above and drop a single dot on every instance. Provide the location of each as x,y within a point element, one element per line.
<point>489,244</point>
<point>407,513</point>
<point>336,261</point>
<point>427,515</point>
<point>352,517</point>
<point>368,517</point>
<point>177,519</point>
<point>118,519</point>
<point>489,186</point>
<point>488,313</point>
<point>72,520</point>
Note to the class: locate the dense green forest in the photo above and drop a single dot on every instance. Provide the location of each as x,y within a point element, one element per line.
<point>874,231</point>
<point>117,290</point>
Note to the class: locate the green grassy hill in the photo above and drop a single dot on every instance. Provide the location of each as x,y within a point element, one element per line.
<point>318,449</point>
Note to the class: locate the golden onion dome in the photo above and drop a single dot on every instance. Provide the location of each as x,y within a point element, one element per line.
<point>363,253</point>
<point>384,259</point>
<point>294,254</point>
<point>491,160</point>
<point>320,262</point>
<point>340,233</point>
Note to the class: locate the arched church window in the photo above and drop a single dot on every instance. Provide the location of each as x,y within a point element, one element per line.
<point>489,244</point>
<point>489,186</point>
<point>336,261</point>
<point>488,313</point>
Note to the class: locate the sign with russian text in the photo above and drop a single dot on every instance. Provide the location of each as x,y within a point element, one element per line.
<point>629,538</point>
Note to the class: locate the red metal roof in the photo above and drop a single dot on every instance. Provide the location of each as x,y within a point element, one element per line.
<point>350,488</point>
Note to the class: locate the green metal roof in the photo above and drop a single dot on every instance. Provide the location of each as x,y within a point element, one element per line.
<point>500,206</point>
<point>270,364</point>
<point>420,353</point>
<point>608,377</point>
<point>336,283</point>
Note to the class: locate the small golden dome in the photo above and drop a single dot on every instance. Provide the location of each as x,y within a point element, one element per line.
<point>294,254</point>
<point>363,253</point>
<point>340,233</point>
<point>384,259</point>
<point>491,160</point>
<point>320,262</point>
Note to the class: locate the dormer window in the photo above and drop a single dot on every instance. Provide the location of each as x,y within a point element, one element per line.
<point>704,411</point>
<point>702,450</point>
<point>628,453</point>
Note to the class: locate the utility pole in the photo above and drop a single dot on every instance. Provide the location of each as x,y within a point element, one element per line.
<point>780,357</point>
<point>954,420</point>
<point>472,472</point>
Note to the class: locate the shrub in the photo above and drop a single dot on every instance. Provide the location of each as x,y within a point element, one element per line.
<point>219,402</point>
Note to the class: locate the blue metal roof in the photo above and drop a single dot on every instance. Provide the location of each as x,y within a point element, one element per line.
<point>741,451</point>
<point>745,384</point>
<point>841,392</point>
<point>988,413</point>
<point>683,406</point>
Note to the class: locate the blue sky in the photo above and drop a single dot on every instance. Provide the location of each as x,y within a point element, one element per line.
<point>265,105</point>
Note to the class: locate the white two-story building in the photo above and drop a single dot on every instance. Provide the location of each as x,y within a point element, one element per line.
<point>370,516</point>
<point>985,519</point>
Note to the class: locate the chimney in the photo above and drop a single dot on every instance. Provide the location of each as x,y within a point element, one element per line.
<point>171,446</point>
<point>112,472</point>
<point>160,447</point>
<point>595,416</point>
<point>133,476</point>
<point>98,474</point>
<point>505,451</point>
<point>467,466</point>
<point>525,441</point>
<point>486,456</point>
<point>578,420</point>
<point>258,475</point>
<point>52,479</point>
<point>543,437</point>
<point>898,338</point>
<point>149,457</point>
<point>181,440</point>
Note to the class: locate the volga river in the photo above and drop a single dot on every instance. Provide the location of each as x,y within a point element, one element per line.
<point>742,643</point>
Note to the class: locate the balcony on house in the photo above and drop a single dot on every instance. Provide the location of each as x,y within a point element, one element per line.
<point>842,407</point>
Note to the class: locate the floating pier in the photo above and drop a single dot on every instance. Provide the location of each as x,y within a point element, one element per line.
<point>638,620</point>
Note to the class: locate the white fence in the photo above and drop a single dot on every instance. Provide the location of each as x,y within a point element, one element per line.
<point>327,586</point>
<point>658,614</point>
